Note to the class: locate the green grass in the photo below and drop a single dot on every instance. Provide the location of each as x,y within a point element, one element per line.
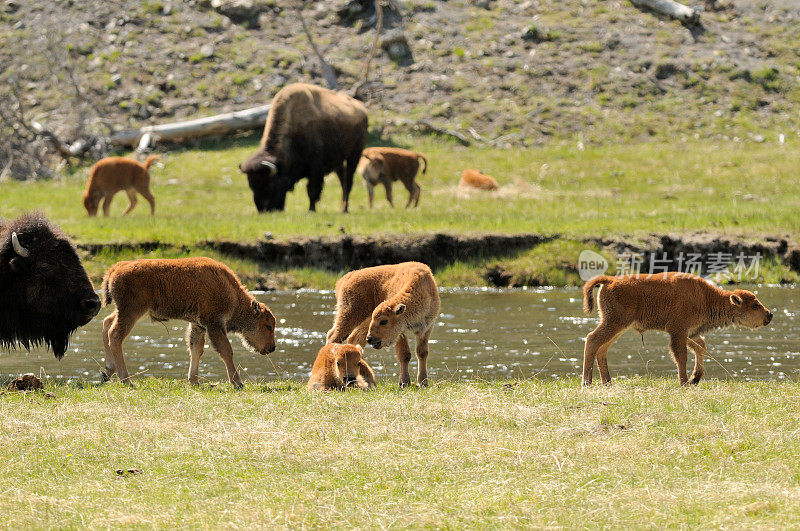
<point>650,187</point>
<point>641,453</point>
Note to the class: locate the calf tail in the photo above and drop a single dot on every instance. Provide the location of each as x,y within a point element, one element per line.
<point>588,288</point>
<point>150,160</point>
<point>425,160</point>
<point>105,288</point>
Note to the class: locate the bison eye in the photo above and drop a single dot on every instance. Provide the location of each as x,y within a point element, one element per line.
<point>383,322</point>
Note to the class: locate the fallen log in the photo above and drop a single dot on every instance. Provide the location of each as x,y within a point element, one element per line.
<point>212,125</point>
<point>671,9</point>
<point>427,125</point>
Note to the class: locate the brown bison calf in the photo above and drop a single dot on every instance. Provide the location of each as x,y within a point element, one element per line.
<point>682,305</point>
<point>384,165</point>
<point>338,366</point>
<point>201,291</point>
<point>114,174</point>
<point>381,305</point>
<point>476,179</point>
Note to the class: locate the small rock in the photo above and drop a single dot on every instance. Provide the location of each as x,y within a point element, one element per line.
<point>207,50</point>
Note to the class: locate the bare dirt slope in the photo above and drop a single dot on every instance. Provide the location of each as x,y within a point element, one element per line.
<point>525,71</point>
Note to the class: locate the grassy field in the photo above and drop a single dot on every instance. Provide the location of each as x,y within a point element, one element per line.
<point>641,453</point>
<point>741,189</point>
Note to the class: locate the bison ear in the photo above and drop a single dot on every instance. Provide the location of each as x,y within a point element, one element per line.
<point>18,265</point>
<point>256,307</point>
<point>240,167</point>
<point>400,308</point>
<point>736,300</point>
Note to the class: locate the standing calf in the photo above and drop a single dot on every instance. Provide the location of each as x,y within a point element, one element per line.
<point>338,366</point>
<point>201,291</point>
<point>114,174</point>
<point>385,165</point>
<point>682,305</point>
<point>381,305</point>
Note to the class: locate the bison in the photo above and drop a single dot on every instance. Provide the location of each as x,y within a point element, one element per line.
<point>384,165</point>
<point>381,305</point>
<point>680,304</point>
<point>115,174</point>
<point>310,132</point>
<point>339,366</point>
<point>202,291</point>
<point>475,179</point>
<point>45,294</point>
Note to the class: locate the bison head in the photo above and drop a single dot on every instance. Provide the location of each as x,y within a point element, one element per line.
<point>268,183</point>
<point>45,294</point>
<point>748,310</point>
<point>387,324</point>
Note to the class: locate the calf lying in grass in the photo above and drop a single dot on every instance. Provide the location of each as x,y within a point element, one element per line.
<point>682,305</point>
<point>201,291</point>
<point>381,305</point>
<point>338,366</point>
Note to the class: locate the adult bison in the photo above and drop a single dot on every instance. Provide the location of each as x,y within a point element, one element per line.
<point>310,132</point>
<point>45,293</point>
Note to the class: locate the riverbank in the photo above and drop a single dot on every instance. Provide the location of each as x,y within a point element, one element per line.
<point>506,453</point>
<point>554,202</point>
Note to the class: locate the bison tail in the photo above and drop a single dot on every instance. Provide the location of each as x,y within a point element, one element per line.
<point>425,160</point>
<point>588,288</point>
<point>150,160</point>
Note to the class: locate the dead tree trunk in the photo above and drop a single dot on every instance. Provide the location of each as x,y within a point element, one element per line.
<point>670,8</point>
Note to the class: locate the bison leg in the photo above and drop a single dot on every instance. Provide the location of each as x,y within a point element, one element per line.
<point>422,357</point>
<point>132,199</point>
<point>110,366</point>
<point>195,339</point>
<point>597,344</point>
<point>698,345</point>
<point>117,332</point>
<point>314,189</point>
<point>223,347</point>
<point>403,356</point>
<point>347,182</point>
<point>677,346</point>
<point>387,184</point>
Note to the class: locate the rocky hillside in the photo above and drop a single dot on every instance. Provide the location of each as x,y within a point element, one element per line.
<point>513,71</point>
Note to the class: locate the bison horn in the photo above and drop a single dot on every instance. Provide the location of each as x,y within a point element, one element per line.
<point>272,168</point>
<point>20,250</point>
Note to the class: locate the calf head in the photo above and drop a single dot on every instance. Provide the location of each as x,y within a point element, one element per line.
<point>748,310</point>
<point>370,168</point>
<point>259,336</point>
<point>346,362</point>
<point>388,322</point>
<point>267,182</point>
<point>90,203</point>
<point>45,294</point>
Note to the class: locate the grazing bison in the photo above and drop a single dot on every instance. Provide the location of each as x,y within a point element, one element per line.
<point>338,366</point>
<point>45,293</point>
<point>476,179</point>
<point>310,132</point>
<point>201,291</point>
<point>381,305</point>
<point>384,165</point>
<point>680,304</point>
<point>115,174</point>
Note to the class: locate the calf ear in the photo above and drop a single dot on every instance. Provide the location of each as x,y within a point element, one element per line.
<point>400,308</point>
<point>736,300</point>
<point>256,307</point>
<point>360,349</point>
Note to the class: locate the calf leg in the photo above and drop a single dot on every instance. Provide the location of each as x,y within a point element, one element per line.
<point>597,344</point>
<point>110,366</point>
<point>195,339</point>
<point>370,192</point>
<point>422,357</point>
<point>150,199</point>
<point>132,199</point>
<point>119,329</point>
<point>677,346</point>
<point>223,347</point>
<point>107,203</point>
<point>387,184</point>
<point>414,196</point>
<point>403,356</point>
<point>698,345</point>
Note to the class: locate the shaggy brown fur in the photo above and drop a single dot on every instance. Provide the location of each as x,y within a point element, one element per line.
<point>338,366</point>
<point>201,291</point>
<point>476,179</point>
<point>384,165</point>
<point>680,304</point>
<point>115,174</point>
<point>381,305</point>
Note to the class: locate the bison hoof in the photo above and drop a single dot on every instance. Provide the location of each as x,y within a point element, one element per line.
<point>104,377</point>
